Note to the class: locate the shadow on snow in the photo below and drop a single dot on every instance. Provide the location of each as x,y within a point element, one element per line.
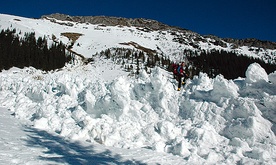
<point>73,153</point>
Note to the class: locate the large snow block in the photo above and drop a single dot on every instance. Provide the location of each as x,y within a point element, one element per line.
<point>255,73</point>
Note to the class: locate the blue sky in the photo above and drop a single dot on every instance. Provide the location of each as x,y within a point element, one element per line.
<point>224,18</point>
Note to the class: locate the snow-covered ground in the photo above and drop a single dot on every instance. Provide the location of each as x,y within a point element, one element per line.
<point>96,114</point>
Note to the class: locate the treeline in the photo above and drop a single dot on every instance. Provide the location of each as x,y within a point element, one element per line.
<point>133,60</point>
<point>229,64</point>
<point>28,51</point>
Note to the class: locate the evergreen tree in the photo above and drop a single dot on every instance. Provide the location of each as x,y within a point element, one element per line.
<point>28,51</point>
<point>229,64</point>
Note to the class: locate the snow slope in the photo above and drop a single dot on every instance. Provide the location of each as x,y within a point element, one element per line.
<point>97,38</point>
<point>212,121</point>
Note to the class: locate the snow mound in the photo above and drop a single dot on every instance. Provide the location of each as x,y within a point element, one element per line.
<point>255,73</point>
<point>212,121</point>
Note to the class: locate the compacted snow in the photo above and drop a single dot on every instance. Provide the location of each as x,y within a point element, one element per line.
<point>98,114</point>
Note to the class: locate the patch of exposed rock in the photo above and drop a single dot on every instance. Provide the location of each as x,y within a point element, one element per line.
<point>251,42</point>
<point>114,21</point>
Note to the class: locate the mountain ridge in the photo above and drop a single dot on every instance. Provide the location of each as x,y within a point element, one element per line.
<point>150,24</point>
<point>114,21</point>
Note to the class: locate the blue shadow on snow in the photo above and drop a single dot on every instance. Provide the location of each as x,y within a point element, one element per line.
<point>72,153</point>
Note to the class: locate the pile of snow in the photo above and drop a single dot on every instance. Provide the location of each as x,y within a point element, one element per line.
<point>211,121</point>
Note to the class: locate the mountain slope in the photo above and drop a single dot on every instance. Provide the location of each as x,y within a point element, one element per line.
<point>109,32</point>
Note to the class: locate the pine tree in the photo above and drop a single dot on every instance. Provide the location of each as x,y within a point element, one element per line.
<point>28,51</point>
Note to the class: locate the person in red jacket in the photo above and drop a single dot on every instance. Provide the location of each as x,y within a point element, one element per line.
<point>180,73</point>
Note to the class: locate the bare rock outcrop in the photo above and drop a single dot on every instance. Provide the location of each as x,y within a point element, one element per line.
<point>114,21</point>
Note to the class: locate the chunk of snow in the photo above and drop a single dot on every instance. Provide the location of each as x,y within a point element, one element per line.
<point>255,73</point>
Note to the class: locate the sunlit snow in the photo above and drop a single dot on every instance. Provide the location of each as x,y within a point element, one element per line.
<point>98,114</point>
<point>210,121</point>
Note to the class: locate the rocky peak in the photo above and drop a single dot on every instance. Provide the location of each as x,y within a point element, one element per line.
<point>114,21</point>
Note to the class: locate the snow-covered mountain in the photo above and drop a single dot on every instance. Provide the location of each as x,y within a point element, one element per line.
<point>98,114</point>
<point>91,35</point>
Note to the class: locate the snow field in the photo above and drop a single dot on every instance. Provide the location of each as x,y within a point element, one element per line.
<point>94,38</point>
<point>97,38</point>
<point>211,121</point>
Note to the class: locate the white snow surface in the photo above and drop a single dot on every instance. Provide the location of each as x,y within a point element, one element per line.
<point>79,116</point>
<point>98,114</point>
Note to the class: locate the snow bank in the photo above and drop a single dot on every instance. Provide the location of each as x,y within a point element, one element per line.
<point>213,121</point>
